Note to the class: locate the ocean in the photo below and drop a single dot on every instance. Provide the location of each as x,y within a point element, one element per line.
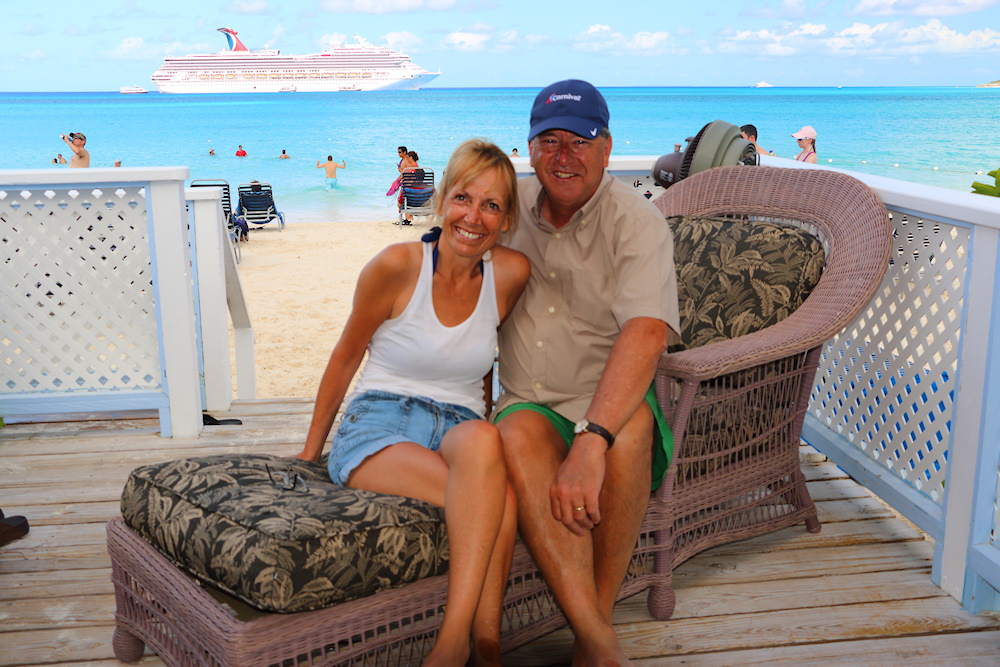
<point>903,133</point>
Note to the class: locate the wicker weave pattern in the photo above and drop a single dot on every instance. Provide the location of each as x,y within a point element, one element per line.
<point>736,409</point>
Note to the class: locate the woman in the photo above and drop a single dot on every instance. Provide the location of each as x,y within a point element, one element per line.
<point>415,425</point>
<point>409,163</point>
<point>807,144</point>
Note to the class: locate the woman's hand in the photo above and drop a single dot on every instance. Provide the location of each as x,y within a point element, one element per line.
<point>306,456</point>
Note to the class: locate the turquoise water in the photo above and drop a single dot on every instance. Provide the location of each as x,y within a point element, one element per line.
<point>954,129</point>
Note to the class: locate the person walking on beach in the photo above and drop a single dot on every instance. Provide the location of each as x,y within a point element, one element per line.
<point>427,314</point>
<point>240,152</point>
<point>331,171</point>
<point>77,142</point>
<point>401,152</point>
<point>584,438</point>
<point>749,132</point>
<point>807,144</point>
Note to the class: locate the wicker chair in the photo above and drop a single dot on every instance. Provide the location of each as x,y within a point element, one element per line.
<point>723,485</point>
<point>744,479</point>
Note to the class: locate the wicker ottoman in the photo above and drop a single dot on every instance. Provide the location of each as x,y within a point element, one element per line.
<point>195,618</point>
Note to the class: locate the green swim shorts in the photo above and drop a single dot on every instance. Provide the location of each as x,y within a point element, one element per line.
<point>663,439</point>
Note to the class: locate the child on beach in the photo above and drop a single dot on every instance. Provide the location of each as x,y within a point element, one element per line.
<point>427,313</point>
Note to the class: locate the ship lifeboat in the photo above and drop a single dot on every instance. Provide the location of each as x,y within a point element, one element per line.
<point>327,75</point>
<point>230,77</point>
<point>275,76</point>
<point>367,75</point>
<point>203,77</point>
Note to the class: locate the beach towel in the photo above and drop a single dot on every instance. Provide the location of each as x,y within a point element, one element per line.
<point>394,187</point>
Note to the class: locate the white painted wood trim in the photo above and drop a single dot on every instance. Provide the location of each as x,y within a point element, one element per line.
<point>210,241</point>
<point>963,461</point>
<point>172,267</point>
<point>243,339</point>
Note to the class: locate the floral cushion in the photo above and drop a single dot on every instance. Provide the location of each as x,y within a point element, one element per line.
<point>735,277</point>
<point>282,550</point>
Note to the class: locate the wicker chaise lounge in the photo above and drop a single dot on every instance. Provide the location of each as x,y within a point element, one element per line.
<point>736,408</point>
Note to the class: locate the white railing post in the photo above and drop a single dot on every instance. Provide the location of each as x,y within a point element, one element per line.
<point>963,462</point>
<point>243,340</point>
<point>211,241</point>
<point>172,269</point>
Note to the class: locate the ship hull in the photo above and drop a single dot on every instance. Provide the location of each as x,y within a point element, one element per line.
<point>301,85</point>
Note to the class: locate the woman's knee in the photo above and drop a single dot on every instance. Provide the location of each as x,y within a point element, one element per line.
<point>478,440</point>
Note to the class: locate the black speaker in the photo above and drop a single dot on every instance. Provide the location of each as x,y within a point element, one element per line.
<point>718,143</point>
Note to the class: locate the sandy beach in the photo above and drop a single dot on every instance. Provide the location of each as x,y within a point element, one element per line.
<point>299,285</point>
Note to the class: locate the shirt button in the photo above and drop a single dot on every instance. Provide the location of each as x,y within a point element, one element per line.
<point>538,385</point>
<point>583,223</point>
<point>558,235</point>
<point>552,309</point>
<point>538,344</point>
<point>552,274</point>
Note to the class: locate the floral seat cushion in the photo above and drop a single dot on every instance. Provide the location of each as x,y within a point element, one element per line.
<point>735,277</point>
<point>282,549</point>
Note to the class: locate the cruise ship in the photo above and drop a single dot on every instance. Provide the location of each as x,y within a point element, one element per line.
<point>348,67</point>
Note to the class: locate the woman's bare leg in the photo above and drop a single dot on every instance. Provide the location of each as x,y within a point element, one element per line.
<point>468,478</point>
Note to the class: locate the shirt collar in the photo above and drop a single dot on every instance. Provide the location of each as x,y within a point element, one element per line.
<point>584,212</point>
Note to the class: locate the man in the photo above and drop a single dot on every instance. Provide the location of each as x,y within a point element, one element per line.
<point>77,142</point>
<point>118,163</point>
<point>331,170</point>
<point>513,154</point>
<point>61,159</point>
<point>284,155</point>
<point>577,359</point>
<point>240,152</point>
<point>749,132</point>
<point>401,152</point>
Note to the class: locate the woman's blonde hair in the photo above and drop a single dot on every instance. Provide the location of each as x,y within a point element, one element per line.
<point>471,159</point>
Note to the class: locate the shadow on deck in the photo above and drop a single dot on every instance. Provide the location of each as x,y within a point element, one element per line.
<point>858,593</point>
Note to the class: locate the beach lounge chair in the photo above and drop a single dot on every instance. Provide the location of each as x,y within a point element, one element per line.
<point>417,190</point>
<point>256,205</point>
<point>238,230</point>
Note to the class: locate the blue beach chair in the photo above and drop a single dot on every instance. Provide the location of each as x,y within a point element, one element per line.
<point>238,230</point>
<point>256,205</point>
<point>417,185</point>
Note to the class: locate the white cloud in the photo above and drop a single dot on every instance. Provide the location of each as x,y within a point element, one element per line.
<point>383,6</point>
<point>788,10</point>
<point>601,38</point>
<point>279,30</point>
<point>133,48</point>
<point>331,38</point>
<point>37,54</point>
<point>32,29</point>
<point>881,39</point>
<point>935,8</point>
<point>462,40</point>
<point>403,41</point>
<point>246,7</point>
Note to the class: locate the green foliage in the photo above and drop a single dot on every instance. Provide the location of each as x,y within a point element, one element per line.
<point>991,190</point>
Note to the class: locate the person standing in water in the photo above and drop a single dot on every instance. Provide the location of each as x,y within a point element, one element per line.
<point>77,143</point>
<point>331,170</point>
<point>807,144</point>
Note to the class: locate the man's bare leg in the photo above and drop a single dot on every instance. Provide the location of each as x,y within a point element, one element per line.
<point>534,451</point>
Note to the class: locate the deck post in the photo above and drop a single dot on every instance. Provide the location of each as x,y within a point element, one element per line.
<point>211,242</point>
<point>173,279</point>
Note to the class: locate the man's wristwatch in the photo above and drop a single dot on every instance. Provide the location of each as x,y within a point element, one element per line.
<point>587,426</point>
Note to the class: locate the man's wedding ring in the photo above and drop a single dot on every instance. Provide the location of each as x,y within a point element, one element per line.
<point>579,509</point>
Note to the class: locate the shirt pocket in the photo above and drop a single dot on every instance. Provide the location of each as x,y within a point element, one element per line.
<point>589,297</point>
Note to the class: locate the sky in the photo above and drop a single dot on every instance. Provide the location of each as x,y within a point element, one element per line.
<point>101,45</point>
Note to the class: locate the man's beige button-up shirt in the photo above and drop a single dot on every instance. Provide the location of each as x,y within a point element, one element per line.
<point>613,261</point>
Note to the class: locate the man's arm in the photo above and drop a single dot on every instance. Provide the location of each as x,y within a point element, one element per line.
<point>343,164</point>
<point>623,385</point>
<point>69,142</point>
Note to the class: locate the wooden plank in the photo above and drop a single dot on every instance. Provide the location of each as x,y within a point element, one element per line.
<point>793,593</point>
<point>684,637</point>
<point>837,489</point>
<point>822,471</point>
<point>56,646</point>
<point>742,562</point>
<point>969,649</point>
<point>55,584</point>
<point>40,614</point>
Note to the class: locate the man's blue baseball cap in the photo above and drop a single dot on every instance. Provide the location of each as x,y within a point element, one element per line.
<point>571,105</point>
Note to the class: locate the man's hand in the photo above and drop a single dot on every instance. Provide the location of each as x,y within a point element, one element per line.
<point>575,491</point>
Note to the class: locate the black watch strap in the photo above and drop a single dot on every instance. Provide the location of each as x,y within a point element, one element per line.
<point>601,431</point>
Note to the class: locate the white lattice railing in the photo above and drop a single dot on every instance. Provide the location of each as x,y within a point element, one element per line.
<point>98,312</point>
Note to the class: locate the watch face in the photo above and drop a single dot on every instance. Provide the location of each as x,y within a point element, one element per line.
<point>581,426</point>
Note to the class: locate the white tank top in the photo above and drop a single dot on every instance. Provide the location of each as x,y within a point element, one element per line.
<point>414,354</point>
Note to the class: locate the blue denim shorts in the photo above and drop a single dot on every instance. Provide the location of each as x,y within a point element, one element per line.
<point>377,419</point>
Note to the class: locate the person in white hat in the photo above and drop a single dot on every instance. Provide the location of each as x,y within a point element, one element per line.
<point>807,144</point>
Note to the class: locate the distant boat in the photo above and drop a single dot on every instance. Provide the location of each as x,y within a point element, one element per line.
<point>763,84</point>
<point>132,90</point>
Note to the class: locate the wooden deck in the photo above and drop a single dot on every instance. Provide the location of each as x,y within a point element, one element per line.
<point>858,593</point>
